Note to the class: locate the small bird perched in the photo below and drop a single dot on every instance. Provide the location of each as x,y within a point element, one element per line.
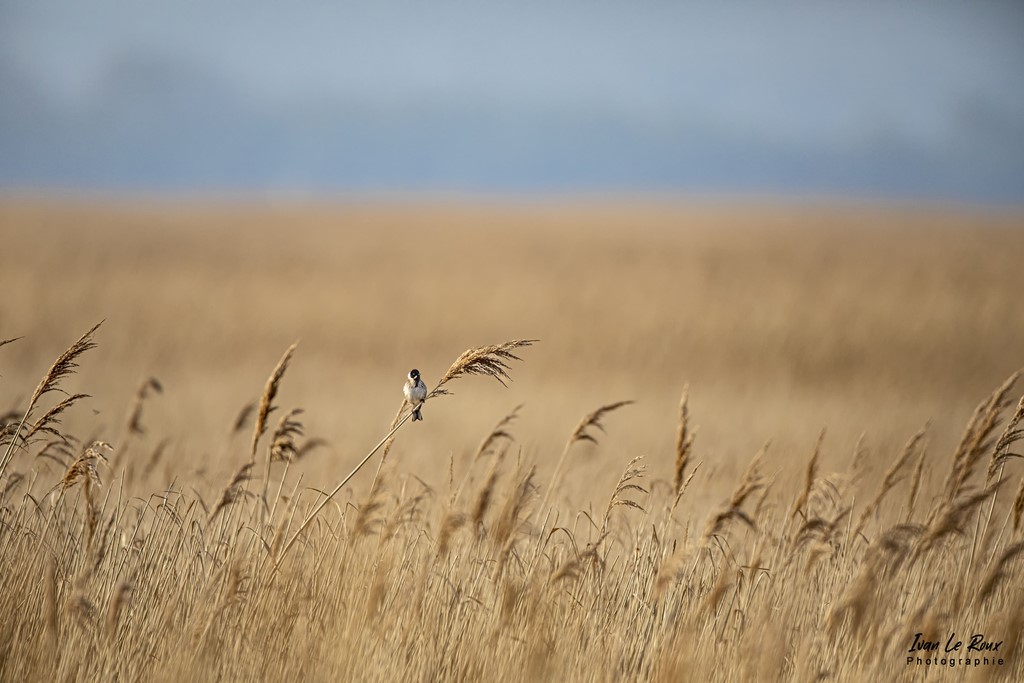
<point>415,393</point>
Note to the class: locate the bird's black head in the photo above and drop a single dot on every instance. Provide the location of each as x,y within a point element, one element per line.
<point>414,374</point>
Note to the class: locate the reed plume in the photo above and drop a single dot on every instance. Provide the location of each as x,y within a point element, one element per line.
<point>484,497</point>
<point>915,484</point>
<point>85,465</point>
<point>498,433</point>
<point>117,603</point>
<point>233,491</point>
<point>65,365</point>
<point>242,418</point>
<point>812,472</point>
<point>149,386</point>
<point>484,361</point>
<point>50,422</point>
<point>948,519</point>
<point>509,517</point>
<point>627,483</point>
<point>496,441</point>
<point>997,573</point>
<point>1013,433</point>
<point>284,445</point>
<point>684,441</point>
<point>892,476</point>
<point>584,431</point>
<point>263,412</point>
<point>749,484</point>
<point>976,440</point>
<point>266,405</point>
<point>1018,506</point>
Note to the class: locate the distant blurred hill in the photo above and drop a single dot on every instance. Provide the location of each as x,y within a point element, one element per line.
<point>892,100</point>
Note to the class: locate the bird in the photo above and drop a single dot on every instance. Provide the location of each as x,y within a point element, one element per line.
<point>415,393</point>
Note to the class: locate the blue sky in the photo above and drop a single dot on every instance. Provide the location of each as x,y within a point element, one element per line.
<point>862,99</point>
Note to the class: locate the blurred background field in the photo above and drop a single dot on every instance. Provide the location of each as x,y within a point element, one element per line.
<point>783,320</point>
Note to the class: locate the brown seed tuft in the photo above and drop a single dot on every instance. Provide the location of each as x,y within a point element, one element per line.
<point>812,472</point>
<point>485,361</point>
<point>269,394</point>
<point>684,442</point>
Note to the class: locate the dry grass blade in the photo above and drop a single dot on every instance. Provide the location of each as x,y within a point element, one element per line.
<point>267,399</point>
<point>388,441</point>
<point>485,361</point>
<point>91,513</point>
<point>50,588</point>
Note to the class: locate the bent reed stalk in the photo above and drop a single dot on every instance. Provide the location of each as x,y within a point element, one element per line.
<point>486,361</point>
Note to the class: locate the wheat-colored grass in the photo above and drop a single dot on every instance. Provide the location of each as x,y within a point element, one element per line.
<point>152,547</point>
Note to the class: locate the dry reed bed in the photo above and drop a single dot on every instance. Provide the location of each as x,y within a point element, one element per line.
<point>490,578</point>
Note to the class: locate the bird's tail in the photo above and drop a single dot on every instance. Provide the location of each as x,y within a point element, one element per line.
<point>416,414</point>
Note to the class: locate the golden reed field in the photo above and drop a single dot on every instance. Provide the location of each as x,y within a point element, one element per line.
<point>739,443</point>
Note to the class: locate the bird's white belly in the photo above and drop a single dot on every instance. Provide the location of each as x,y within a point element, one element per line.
<point>415,394</point>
